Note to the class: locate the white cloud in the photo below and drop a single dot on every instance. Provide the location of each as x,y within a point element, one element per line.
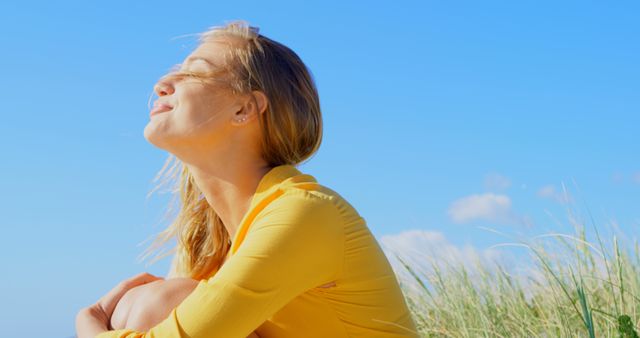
<point>433,244</point>
<point>495,181</point>
<point>549,191</point>
<point>489,206</point>
<point>423,250</point>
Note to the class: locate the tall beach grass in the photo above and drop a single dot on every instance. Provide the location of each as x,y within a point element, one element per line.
<point>572,288</point>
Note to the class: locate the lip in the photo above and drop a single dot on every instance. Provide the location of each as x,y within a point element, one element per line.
<point>159,108</point>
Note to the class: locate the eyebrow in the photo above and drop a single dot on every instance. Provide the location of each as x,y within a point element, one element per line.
<point>193,58</point>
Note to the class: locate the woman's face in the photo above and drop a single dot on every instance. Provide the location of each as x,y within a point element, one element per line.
<point>193,113</point>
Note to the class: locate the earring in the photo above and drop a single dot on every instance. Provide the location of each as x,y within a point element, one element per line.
<point>241,119</point>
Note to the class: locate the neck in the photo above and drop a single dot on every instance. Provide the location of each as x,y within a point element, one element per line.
<point>228,187</point>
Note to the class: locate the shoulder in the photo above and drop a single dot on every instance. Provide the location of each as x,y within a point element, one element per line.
<point>303,206</point>
<point>297,228</point>
<point>299,215</point>
<point>310,220</point>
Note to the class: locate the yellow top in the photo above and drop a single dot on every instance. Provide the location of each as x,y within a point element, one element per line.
<point>303,263</point>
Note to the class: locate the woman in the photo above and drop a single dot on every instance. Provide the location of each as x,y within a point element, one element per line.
<point>263,249</point>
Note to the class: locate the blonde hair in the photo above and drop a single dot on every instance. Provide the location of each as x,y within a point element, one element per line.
<point>291,133</point>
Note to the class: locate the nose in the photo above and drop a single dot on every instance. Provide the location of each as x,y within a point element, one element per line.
<point>163,87</point>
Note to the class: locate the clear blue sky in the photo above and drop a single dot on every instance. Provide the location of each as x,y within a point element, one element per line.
<point>439,116</point>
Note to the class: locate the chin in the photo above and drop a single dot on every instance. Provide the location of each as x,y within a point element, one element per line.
<point>148,135</point>
<point>153,137</point>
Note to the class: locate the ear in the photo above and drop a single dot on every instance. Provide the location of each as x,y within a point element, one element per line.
<point>254,105</point>
<point>259,101</point>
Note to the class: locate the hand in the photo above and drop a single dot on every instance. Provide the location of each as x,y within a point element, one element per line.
<point>96,318</point>
<point>109,301</point>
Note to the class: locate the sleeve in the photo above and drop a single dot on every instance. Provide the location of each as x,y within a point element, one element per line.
<point>296,243</point>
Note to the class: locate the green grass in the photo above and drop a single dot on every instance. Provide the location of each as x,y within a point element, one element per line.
<point>580,289</point>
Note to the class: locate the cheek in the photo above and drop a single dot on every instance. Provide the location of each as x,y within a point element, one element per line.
<point>197,117</point>
<point>186,124</point>
<point>200,117</point>
<point>192,108</point>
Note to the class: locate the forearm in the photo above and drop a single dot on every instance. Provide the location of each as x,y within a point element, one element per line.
<point>152,303</point>
<point>90,322</point>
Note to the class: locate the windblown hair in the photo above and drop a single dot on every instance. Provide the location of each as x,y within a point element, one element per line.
<point>291,129</point>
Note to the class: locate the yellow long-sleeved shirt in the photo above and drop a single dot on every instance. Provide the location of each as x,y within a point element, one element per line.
<point>296,237</point>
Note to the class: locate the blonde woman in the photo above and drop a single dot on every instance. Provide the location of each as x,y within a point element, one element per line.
<point>263,249</point>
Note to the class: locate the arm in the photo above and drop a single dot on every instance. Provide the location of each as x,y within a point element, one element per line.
<point>144,306</point>
<point>148,305</point>
<point>94,319</point>
<point>90,322</point>
<point>295,244</point>
<point>132,299</point>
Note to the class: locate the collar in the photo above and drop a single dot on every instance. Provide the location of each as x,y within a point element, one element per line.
<point>268,187</point>
<point>273,177</point>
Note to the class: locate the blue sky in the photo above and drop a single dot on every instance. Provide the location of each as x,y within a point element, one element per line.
<point>439,116</point>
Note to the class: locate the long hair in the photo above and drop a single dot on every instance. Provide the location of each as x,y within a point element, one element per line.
<point>291,129</point>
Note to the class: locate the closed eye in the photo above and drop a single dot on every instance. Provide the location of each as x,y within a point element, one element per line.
<point>178,72</point>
